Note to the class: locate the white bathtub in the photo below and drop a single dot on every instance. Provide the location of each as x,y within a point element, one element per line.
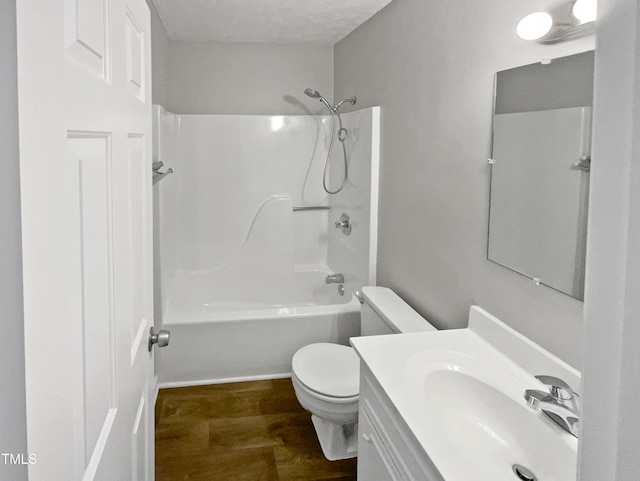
<point>254,328</point>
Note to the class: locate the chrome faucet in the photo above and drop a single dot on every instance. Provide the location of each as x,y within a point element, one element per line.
<point>334,279</point>
<point>560,403</point>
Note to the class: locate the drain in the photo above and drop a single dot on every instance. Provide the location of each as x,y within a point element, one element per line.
<point>523,473</point>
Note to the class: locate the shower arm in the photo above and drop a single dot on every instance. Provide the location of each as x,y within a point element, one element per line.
<point>331,109</point>
<point>352,100</point>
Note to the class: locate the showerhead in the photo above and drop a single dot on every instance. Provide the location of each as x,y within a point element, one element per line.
<point>314,94</point>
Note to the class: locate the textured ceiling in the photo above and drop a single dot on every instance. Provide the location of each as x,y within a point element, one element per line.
<point>322,22</point>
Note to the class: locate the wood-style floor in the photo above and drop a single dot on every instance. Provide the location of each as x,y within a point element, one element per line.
<point>249,431</point>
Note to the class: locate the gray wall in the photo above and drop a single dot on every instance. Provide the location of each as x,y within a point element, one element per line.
<point>13,428</point>
<point>245,78</point>
<point>431,66</point>
<point>237,78</point>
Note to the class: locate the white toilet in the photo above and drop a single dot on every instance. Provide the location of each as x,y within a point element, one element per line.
<point>326,377</point>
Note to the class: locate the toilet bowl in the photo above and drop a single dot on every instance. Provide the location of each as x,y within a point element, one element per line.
<point>326,377</point>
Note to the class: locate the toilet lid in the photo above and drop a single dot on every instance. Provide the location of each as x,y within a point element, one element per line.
<point>329,369</point>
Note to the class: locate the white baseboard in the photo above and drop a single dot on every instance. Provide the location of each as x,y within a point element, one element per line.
<point>204,382</point>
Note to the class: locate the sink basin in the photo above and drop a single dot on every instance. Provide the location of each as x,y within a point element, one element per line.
<point>476,414</point>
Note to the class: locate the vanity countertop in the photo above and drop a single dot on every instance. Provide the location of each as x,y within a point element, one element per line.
<point>460,393</point>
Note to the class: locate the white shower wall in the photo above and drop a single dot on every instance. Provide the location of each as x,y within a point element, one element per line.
<point>355,255</point>
<point>226,167</point>
<point>228,208</point>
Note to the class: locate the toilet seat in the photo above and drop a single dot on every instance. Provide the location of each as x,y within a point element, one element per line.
<point>329,370</point>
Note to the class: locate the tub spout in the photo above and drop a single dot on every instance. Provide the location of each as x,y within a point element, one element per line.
<point>334,279</point>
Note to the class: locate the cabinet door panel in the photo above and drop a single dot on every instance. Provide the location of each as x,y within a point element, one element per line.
<point>374,462</point>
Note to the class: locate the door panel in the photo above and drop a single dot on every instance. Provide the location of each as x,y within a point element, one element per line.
<point>135,40</point>
<point>140,442</point>
<point>137,181</point>
<point>86,28</point>
<point>96,329</point>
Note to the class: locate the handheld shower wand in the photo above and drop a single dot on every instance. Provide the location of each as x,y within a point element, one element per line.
<point>314,94</point>
<point>342,135</point>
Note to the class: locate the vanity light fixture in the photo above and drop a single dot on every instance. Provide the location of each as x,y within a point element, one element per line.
<point>534,26</point>
<point>585,10</point>
<point>566,22</point>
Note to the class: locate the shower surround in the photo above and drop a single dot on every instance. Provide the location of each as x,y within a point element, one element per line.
<point>240,258</point>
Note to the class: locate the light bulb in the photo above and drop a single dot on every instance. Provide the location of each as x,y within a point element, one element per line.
<point>585,10</point>
<point>534,26</point>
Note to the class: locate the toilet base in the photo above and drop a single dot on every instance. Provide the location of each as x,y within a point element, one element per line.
<point>338,441</point>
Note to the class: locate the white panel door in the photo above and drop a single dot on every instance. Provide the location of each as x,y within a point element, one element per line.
<point>85,126</point>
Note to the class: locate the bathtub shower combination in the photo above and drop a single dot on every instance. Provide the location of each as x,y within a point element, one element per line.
<point>246,236</point>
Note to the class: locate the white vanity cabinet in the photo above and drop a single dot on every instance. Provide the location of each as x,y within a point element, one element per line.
<point>387,450</point>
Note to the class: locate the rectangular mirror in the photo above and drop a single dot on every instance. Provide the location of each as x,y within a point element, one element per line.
<point>540,171</point>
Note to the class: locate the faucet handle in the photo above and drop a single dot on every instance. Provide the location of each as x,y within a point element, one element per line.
<point>344,224</point>
<point>559,389</point>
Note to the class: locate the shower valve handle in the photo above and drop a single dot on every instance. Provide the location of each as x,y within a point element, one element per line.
<point>344,224</point>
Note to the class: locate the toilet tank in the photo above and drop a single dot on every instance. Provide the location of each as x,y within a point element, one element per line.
<point>384,312</point>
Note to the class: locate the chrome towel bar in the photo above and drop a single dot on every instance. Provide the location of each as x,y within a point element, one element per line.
<point>311,207</point>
